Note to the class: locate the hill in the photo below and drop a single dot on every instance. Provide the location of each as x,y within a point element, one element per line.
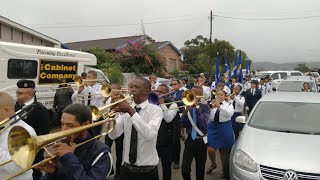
<point>264,66</point>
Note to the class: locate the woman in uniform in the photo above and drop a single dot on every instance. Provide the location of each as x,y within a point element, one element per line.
<point>220,132</point>
<point>237,100</point>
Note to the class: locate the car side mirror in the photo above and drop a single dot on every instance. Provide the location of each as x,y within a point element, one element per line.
<point>241,119</point>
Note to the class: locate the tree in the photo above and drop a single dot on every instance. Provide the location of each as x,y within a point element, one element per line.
<point>108,65</point>
<point>302,68</point>
<point>140,59</point>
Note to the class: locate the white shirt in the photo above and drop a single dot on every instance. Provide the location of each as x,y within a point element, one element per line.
<point>227,89</point>
<point>239,105</point>
<point>147,123</point>
<point>263,89</point>
<point>226,112</point>
<point>246,86</point>
<point>169,115</point>
<point>269,87</point>
<point>155,86</point>
<point>206,92</point>
<point>97,97</point>
<point>11,168</point>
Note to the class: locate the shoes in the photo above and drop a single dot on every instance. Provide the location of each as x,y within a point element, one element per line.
<point>211,168</point>
<point>176,166</point>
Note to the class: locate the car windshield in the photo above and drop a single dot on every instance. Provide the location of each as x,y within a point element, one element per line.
<point>294,86</point>
<point>291,117</point>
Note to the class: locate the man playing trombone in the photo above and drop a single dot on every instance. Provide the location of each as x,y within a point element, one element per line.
<point>171,119</point>
<point>140,125</point>
<point>6,111</point>
<point>89,161</point>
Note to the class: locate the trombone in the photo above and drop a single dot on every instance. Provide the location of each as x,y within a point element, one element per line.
<point>153,98</point>
<point>106,91</point>
<point>23,147</point>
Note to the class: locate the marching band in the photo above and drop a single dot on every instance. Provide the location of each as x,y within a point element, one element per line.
<point>149,123</point>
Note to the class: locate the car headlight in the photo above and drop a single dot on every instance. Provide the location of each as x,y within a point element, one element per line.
<point>244,161</point>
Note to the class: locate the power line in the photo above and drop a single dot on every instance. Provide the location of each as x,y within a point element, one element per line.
<point>268,19</point>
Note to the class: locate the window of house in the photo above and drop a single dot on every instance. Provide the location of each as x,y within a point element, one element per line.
<point>22,69</point>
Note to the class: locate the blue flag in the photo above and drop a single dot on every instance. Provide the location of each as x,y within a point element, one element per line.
<point>240,68</point>
<point>217,70</point>
<point>247,67</point>
<point>227,70</point>
<point>235,65</point>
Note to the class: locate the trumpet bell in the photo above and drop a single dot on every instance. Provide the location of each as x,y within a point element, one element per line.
<point>96,114</point>
<point>106,90</point>
<point>153,98</point>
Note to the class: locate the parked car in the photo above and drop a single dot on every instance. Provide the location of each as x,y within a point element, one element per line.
<point>279,140</point>
<point>295,84</point>
<point>315,75</point>
<point>277,76</point>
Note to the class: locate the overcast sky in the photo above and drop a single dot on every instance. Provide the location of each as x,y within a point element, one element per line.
<point>262,37</point>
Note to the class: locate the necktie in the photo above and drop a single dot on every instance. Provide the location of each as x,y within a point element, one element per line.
<point>89,100</point>
<point>216,116</point>
<point>194,118</point>
<point>133,142</point>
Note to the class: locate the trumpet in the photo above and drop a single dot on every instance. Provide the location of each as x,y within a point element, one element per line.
<point>23,147</point>
<point>98,112</point>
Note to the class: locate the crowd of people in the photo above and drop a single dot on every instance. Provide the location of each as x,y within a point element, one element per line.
<point>145,132</point>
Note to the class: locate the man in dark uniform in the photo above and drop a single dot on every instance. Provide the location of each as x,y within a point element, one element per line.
<point>38,119</point>
<point>88,161</point>
<point>252,96</point>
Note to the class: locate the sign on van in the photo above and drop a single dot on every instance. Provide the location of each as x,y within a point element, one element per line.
<point>53,71</point>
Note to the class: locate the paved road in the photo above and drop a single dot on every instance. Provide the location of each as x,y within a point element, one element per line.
<point>176,173</point>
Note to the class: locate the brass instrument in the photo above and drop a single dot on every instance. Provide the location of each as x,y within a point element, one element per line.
<point>54,156</point>
<point>189,97</point>
<point>97,112</point>
<point>214,91</point>
<point>106,91</point>
<point>23,147</point>
<point>153,98</point>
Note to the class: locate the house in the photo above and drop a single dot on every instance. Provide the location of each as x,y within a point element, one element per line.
<point>11,31</point>
<point>167,52</point>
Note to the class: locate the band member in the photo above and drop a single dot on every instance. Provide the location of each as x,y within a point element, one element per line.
<point>140,125</point>
<point>89,161</point>
<point>262,87</point>
<point>306,87</point>
<point>206,89</point>
<point>195,119</point>
<point>183,84</point>
<point>38,119</point>
<point>62,98</point>
<point>233,81</point>
<point>118,141</point>
<point>92,93</point>
<point>202,75</point>
<point>252,96</point>
<point>166,132</point>
<point>195,82</point>
<point>220,133</point>
<point>154,82</point>
<point>6,111</point>
<point>268,83</point>
<point>246,84</point>
<point>179,131</point>
<point>237,100</point>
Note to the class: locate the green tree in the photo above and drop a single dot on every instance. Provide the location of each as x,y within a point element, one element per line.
<point>140,59</point>
<point>302,68</point>
<point>108,65</point>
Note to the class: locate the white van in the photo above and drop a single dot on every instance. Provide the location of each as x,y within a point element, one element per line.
<point>276,76</point>
<point>44,65</point>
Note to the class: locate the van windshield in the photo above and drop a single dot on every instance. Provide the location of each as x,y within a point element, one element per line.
<point>291,117</point>
<point>294,86</point>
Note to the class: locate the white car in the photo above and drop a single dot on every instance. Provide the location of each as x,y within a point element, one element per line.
<point>276,76</point>
<point>295,84</point>
<point>280,139</point>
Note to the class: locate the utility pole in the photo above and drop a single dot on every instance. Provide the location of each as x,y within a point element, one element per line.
<point>210,52</point>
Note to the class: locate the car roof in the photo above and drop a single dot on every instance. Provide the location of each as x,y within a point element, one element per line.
<point>303,97</point>
<point>299,78</point>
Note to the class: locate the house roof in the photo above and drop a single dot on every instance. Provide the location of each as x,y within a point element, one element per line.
<point>160,45</point>
<point>29,31</point>
<point>107,44</point>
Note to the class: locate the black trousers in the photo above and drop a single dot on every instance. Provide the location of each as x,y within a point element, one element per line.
<point>119,149</point>
<point>126,174</point>
<point>176,145</point>
<point>194,149</point>
<point>37,174</point>
<point>165,152</point>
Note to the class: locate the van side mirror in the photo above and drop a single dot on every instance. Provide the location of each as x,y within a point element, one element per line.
<point>241,119</point>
